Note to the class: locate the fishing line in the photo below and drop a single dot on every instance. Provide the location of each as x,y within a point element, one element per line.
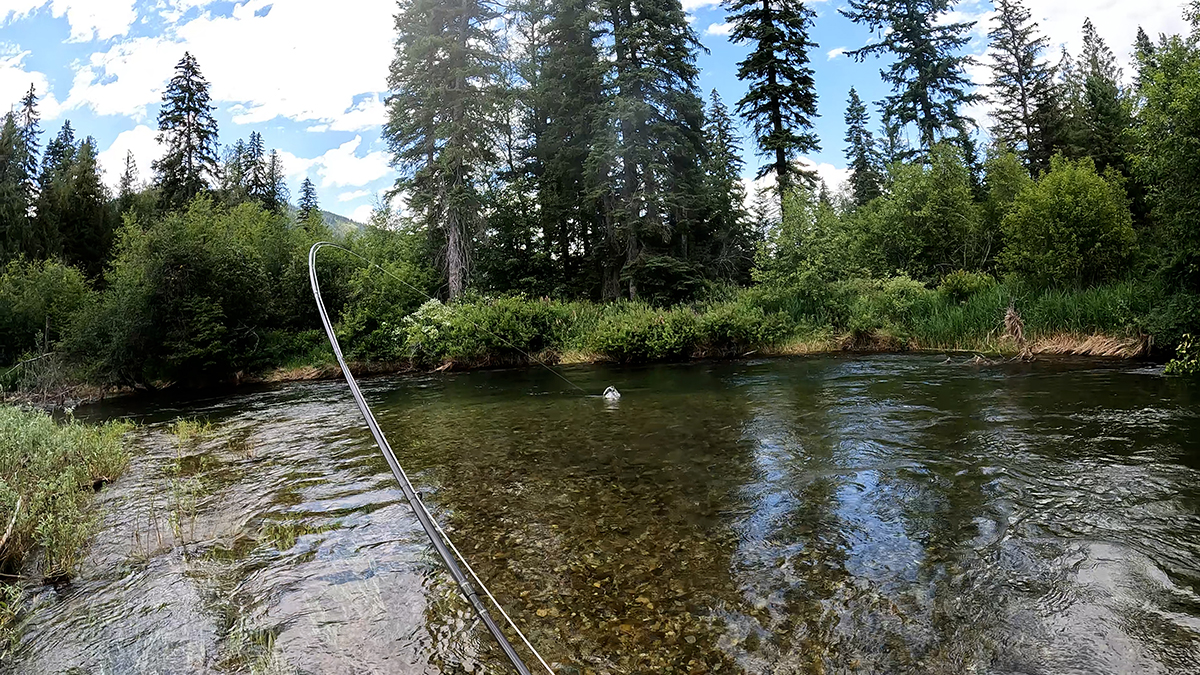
<point>437,536</point>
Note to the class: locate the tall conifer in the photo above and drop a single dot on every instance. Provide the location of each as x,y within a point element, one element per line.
<point>189,131</point>
<point>866,175</point>
<point>441,124</point>
<point>781,100</point>
<point>928,77</point>
<point>733,254</point>
<point>1023,87</point>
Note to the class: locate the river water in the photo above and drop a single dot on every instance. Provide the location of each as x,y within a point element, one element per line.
<point>882,514</point>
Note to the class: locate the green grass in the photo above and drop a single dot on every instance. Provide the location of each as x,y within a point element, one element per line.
<point>49,473</point>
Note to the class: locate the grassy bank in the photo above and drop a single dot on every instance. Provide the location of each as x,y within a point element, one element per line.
<point>49,473</point>
<point>896,314</point>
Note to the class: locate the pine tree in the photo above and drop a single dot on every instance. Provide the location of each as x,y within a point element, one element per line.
<point>28,122</point>
<point>128,185</point>
<point>568,115</point>
<point>55,187</point>
<point>255,170</point>
<point>928,76</point>
<point>441,121</point>
<point>866,176</point>
<point>734,254</point>
<point>781,101</point>
<point>1023,87</point>
<point>186,126</point>
<point>87,223</point>
<point>308,200</point>
<point>275,195</point>
<point>15,233</point>
<point>1143,52</point>
<point>658,140</point>
<point>1104,116</point>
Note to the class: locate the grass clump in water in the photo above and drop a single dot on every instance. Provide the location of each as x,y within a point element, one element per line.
<point>49,473</point>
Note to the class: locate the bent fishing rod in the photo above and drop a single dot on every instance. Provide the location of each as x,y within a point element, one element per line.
<point>437,536</point>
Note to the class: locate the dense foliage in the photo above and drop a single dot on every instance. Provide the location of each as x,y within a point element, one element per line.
<point>563,156</point>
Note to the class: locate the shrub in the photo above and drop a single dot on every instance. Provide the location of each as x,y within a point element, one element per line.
<point>635,332</point>
<point>38,300</point>
<point>1072,227</point>
<point>733,328</point>
<point>960,285</point>
<point>1187,358</point>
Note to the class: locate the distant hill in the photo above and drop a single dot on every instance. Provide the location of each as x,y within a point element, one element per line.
<point>340,224</point>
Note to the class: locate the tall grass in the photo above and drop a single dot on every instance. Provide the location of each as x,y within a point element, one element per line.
<point>48,475</point>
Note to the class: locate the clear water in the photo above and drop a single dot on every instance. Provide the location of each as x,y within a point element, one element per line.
<point>890,514</point>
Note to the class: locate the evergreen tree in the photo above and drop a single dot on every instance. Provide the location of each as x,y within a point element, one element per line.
<point>1104,117</point>
<point>1023,86</point>
<point>127,186</point>
<point>1143,52</point>
<point>255,170</point>
<point>658,141</point>
<point>441,123</point>
<point>275,195</point>
<point>87,223</point>
<point>55,187</point>
<point>186,126</point>
<point>735,247</point>
<point>31,132</point>
<point>568,115</point>
<point>928,76</point>
<point>15,231</point>
<point>308,200</point>
<point>781,100</point>
<point>861,155</point>
<point>235,174</point>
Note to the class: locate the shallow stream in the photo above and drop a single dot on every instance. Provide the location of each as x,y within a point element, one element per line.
<point>883,514</point>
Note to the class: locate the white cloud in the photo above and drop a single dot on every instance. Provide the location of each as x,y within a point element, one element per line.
<point>836,52</point>
<point>719,29</point>
<point>89,19</point>
<point>351,196</point>
<point>300,60</point>
<point>15,81</point>
<point>141,141</point>
<point>362,214</point>
<point>340,167</point>
<point>690,6</point>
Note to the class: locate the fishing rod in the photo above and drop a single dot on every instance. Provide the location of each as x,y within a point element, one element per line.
<point>437,536</point>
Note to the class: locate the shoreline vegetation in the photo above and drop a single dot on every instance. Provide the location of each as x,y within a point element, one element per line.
<point>49,473</point>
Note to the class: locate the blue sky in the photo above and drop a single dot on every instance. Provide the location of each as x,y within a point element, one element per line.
<point>309,75</point>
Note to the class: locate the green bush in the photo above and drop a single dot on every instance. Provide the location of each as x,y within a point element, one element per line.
<point>1073,227</point>
<point>733,328</point>
<point>635,333</point>
<point>960,285</point>
<point>38,301</point>
<point>1187,358</point>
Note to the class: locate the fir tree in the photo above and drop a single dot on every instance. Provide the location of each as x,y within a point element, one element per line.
<point>866,176</point>
<point>275,195</point>
<point>1143,52</point>
<point>308,200</point>
<point>31,132</point>
<point>1104,116</point>
<point>15,231</point>
<point>781,101</point>
<point>128,185</point>
<point>255,170</point>
<point>1023,87</point>
<point>658,187</point>
<point>441,123</point>
<point>928,76</point>
<point>735,248</point>
<point>186,126</point>
<point>55,187</point>
<point>87,223</point>
<point>568,115</point>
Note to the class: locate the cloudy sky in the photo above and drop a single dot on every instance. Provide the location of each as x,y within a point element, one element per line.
<point>310,74</point>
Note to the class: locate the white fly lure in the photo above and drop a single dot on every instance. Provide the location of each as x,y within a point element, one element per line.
<point>611,394</point>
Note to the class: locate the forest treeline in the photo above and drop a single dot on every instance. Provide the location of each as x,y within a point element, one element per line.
<point>556,154</point>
